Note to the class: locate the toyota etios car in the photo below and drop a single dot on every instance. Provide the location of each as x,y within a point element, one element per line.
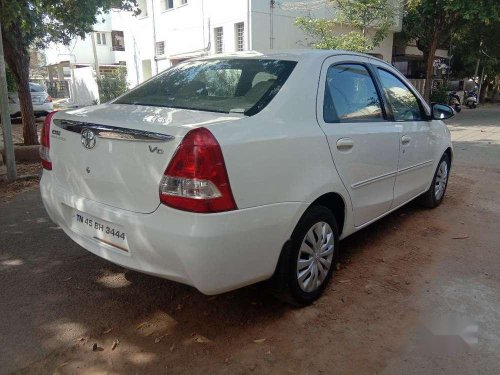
<point>224,171</point>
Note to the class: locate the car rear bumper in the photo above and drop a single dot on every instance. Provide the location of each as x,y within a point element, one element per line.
<point>43,109</point>
<point>214,253</point>
<point>38,109</point>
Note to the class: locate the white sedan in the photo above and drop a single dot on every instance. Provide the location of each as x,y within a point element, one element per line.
<point>41,100</point>
<point>225,171</point>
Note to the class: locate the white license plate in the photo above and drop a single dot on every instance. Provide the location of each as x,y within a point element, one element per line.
<point>100,230</point>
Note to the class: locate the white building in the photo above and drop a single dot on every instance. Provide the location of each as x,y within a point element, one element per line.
<point>169,31</point>
<point>110,50</point>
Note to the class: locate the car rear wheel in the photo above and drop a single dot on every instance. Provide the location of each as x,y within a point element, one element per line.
<point>435,195</point>
<point>309,258</point>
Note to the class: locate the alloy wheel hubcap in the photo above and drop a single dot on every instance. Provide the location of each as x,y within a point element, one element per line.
<point>315,256</point>
<point>441,180</point>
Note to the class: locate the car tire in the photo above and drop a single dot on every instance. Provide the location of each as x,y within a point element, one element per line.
<point>435,195</point>
<point>314,243</point>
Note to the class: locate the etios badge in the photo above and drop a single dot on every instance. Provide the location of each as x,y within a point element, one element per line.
<point>88,138</point>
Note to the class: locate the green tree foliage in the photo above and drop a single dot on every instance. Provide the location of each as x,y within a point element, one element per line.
<point>35,23</point>
<point>432,22</point>
<point>369,22</point>
<point>112,85</point>
<point>476,47</point>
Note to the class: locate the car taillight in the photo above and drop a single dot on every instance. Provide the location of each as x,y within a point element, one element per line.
<point>48,99</point>
<point>196,178</point>
<point>45,142</point>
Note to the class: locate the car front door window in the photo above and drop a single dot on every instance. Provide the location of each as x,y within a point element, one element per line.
<point>405,105</point>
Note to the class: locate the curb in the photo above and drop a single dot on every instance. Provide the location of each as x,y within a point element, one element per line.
<point>23,153</point>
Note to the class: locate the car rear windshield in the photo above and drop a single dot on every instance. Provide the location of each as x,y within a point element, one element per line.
<point>34,87</point>
<point>221,85</point>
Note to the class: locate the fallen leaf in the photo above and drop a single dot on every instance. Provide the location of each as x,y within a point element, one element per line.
<point>107,331</point>
<point>259,341</point>
<point>172,347</point>
<point>115,344</point>
<point>97,348</point>
<point>344,281</point>
<point>159,338</point>
<point>460,237</point>
<point>201,339</point>
<point>68,278</point>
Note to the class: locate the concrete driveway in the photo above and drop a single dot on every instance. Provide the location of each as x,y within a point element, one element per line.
<point>417,293</point>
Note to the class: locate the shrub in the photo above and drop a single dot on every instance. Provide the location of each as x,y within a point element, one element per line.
<point>439,94</point>
<point>11,82</point>
<point>113,85</point>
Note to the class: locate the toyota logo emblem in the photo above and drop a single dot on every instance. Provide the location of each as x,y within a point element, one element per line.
<point>88,138</point>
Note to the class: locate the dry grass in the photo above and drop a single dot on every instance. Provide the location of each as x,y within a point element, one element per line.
<point>28,180</point>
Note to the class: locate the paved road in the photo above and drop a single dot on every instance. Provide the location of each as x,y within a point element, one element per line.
<point>417,293</point>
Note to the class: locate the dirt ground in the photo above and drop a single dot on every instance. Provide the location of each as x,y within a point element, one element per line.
<point>416,293</point>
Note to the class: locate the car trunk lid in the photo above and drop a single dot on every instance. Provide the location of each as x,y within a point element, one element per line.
<point>116,154</point>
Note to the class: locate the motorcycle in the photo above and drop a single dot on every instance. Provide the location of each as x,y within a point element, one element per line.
<point>471,99</point>
<point>454,101</point>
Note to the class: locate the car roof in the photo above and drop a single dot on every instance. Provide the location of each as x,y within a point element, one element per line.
<point>293,55</point>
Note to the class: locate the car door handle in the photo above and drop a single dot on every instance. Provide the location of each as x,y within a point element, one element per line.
<point>405,139</point>
<point>345,144</point>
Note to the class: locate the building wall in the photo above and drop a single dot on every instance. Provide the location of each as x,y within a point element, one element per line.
<point>80,51</point>
<point>187,30</point>
<point>274,28</point>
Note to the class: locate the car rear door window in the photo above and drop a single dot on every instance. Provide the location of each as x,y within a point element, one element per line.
<point>350,95</point>
<point>405,105</point>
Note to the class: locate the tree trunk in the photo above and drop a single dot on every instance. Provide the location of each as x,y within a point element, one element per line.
<point>17,57</point>
<point>429,54</point>
<point>484,90</point>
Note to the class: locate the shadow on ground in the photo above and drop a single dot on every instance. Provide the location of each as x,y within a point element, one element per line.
<point>60,297</point>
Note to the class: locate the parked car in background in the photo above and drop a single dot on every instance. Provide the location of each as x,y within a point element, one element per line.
<point>42,101</point>
<point>225,171</point>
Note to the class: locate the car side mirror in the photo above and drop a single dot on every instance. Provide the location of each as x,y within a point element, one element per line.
<point>442,112</point>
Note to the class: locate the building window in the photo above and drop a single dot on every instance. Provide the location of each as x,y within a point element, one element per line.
<point>169,4</point>
<point>239,30</point>
<point>117,41</point>
<point>143,7</point>
<point>101,39</point>
<point>219,40</point>
<point>160,48</point>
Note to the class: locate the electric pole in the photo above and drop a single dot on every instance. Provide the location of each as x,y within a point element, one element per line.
<point>10,159</point>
